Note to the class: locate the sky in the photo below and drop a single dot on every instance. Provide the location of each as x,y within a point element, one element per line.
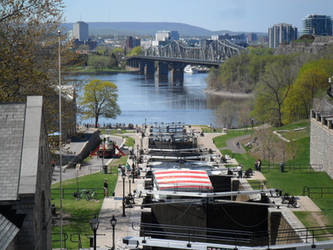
<point>234,15</point>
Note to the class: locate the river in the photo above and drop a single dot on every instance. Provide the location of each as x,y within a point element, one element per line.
<point>142,100</point>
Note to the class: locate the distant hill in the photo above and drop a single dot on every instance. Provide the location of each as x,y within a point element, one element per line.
<point>144,28</point>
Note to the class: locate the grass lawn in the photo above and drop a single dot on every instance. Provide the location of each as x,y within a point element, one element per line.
<point>293,180</point>
<point>113,131</point>
<point>295,125</point>
<point>129,141</point>
<point>221,141</point>
<point>77,213</point>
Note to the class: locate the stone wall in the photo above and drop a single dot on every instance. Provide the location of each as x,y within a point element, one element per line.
<point>281,232</point>
<point>321,146</point>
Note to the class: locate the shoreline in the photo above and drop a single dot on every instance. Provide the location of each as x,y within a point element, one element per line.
<point>224,93</point>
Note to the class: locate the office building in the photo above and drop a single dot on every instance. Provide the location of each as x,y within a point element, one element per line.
<point>281,34</point>
<point>252,37</point>
<point>80,31</point>
<point>320,25</point>
<point>132,42</point>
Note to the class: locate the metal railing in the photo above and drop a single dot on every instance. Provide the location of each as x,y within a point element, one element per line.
<point>233,237</point>
<point>322,192</point>
<point>293,167</point>
<point>69,192</point>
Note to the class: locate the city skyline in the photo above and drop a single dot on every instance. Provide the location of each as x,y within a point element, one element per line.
<point>214,15</point>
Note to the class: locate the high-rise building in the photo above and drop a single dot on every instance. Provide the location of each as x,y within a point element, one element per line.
<point>252,37</point>
<point>281,33</point>
<point>317,25</point>
<point>132,42</point>
<point>80,31</point>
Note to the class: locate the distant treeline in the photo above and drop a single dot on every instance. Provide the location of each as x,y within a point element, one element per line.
<point>284,86</point>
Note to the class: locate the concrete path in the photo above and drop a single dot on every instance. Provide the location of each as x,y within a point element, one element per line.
<point>232,144</point>
<point>92,166</point>
<point>206,141</point>
<point>126,226</point>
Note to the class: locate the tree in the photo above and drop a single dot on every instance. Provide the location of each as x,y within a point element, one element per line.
<point>311,81</point>
<point>135,51</point>
<point>273,90</point>
<point>100,99</point>
<point>28,53</point>
<point>226,113</point>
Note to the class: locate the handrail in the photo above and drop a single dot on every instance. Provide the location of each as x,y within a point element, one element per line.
<point>317,190</point>
<point>228,235</point>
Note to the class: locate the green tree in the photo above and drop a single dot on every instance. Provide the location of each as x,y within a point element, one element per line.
<point>100,99</point>
<point>311,81</point>
<point>135,51</point>
<point>273,90</point>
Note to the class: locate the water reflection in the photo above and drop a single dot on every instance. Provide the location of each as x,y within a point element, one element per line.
<point>143,100</point>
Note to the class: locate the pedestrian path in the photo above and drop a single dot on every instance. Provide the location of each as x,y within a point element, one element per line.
<point>125,226</point>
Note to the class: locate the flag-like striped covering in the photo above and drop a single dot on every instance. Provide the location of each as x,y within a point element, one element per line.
<point>183,180</point>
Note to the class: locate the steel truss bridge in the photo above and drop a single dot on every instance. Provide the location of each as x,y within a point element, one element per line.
<point>216,52</point>
<point>157,61</point>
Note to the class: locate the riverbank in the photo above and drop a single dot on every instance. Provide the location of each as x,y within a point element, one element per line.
<point>90,70</point>
<point>229,94</point>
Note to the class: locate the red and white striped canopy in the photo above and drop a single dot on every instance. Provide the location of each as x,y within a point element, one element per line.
<point>183,180</point>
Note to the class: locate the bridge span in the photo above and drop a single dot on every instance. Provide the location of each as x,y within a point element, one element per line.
<point>156,62</point>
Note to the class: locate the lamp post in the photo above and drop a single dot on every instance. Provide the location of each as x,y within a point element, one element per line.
<point>94,226</point>
<point>103,152</point>
<point>113,222</point>
<point>129,186</point>
<point>60,136</point>
<point>123,175</point>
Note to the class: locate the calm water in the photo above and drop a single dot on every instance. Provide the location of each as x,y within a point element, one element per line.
<point>142,100</point>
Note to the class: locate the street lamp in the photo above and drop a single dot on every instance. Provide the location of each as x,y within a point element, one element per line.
<point>124,175</point>
<point>129,187</point>
<point>113,222</point>
<point>103,152</point>
<point>94,226</point>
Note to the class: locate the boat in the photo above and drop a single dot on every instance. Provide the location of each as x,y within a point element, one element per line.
<point>190,70</point>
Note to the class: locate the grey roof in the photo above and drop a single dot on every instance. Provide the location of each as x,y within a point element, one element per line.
<point>30,151</point>
<point>20,127</point>
<point>8,232</point>
<point>11,134</point>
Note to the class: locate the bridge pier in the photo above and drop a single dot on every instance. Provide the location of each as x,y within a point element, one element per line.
<point>149,70</point>
<point>161,71</point>
<point>177,73</point>
<point>141,68</point>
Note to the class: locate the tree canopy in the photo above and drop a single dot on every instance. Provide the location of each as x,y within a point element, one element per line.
<point>311,81</point>
<point>100,99</point>
<point>273,90</point>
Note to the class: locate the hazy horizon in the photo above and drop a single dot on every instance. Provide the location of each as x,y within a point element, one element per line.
<point>214,15</point>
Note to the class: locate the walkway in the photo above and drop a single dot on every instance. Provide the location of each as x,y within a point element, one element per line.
<point>92,166</point>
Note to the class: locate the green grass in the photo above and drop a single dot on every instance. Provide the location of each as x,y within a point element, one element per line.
<point>90,69</point>
<point>77,213</point>
<point>295,125</point>
<point>291,181</point>
<point>211,130</point>
<point>302,152</point>
<point>113,131</point>
<point>296,135</point>
<point>221,141</point>
<point>129,141</point>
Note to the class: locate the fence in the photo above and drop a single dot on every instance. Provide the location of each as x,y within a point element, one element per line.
<point>322,192</point>
<point>69,192</point>
<point>235,237</point>
<point>293,167</point>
